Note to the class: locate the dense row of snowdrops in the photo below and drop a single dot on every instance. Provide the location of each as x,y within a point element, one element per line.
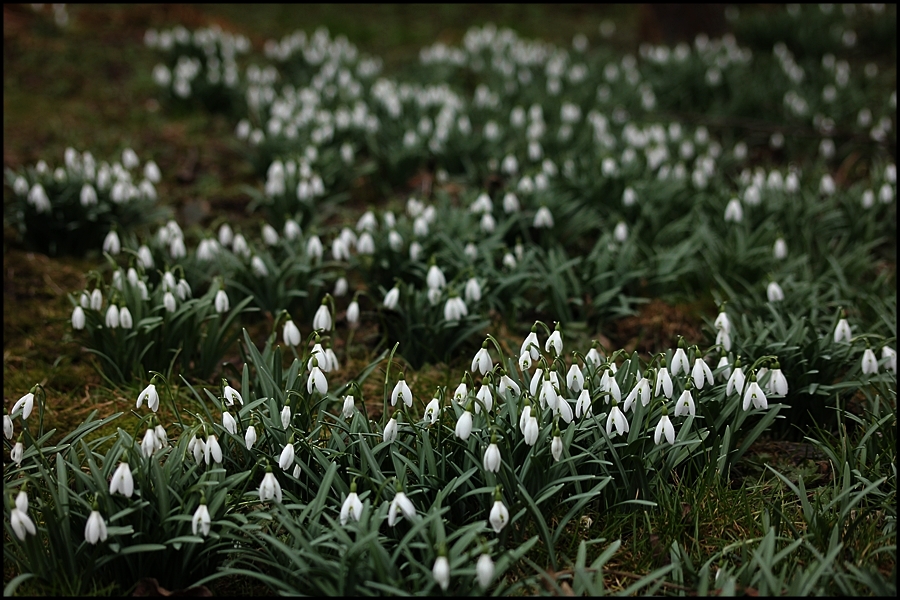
<point>248,469</point>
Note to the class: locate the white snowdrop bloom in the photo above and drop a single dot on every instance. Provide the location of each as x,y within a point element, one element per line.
<point>455,309</point>
<point>734,213</point>
<point>95,528</point>
<point>286,459</point>
<point>640,392</point>
<point>212,450</point>
<point>230,395</point>
<point>112,316</point>
<point>392,298</point>
<point>322,319</point>
<point>664,429</point>
<point>511,203</point>
<point>499,515</point>
<point>583,404</point>
<point>616,420</point>
<point>291,333</point>
<point>487,223</point>
<point>464,426</point>
<point>735,383</point>
<point>663,383</point>
<point>152,172</point>
<point>122,481</point>
<point>400,505</point>
<point>575,378</point>
<point>471,251</point>
<point>229,423</point>
<point>492,458</point>
<point>556,448</point>
<point>484,570</point>
<point>827,185</point>
<point>401,392</point>
<point>366,243</point>
<point>679,362</point>
<point>269,235</point>
<point>473,290</point>
<point>723,338</point>
<point>352,506</point>
<point>250,437</point>
<point>291,229</point>
<point>755,396</point>
<point>341,287</point>
<point>629,197</point>
<point>240,246</point>
<point>779,250</point>
<point>145,258</point>
<point>482,362</point>
<point>506,383</point>
<point>543,218</point>
<point>792,182</point>
<point>353,313</point>
<point>78,318</point>
<point>314,247</point>
<point>842,331</point>
<point>415,251</point>
<point>889,355</point>
<point>317,380</point>
<point>531,430</point>
<point>285,416</point>
<point>269,488</point>
<point>484,398</point>
<point>869,363</point>
<point>259,266</point>
<point>774,293</point>
<point>125,320</point>
<point>130,159</point>
<point>685,404</point>
<point>726,372</point>
<point>435,277</point>
<point>886,193</point>
<point>221,302</point>
<point>226,236</point>
<point>778,382</point>
<point>395,240</point>
<point>701,373</point>
<point>554,342</point>
<point>621,232</point>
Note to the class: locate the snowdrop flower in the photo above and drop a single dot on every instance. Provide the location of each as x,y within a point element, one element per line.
<point>484,396</point>
<point>111,242</point>
<point>511,203</point>
<point>402,392</point>
<point>499,516</point>
<point>196,447</point>
<point>754,395</point>
<point>285,416</point>
<point>322,318</point>
<point>349,407</point>
<point>391,298</point>
<point>506,383</point>
<point>554,342</point>
<point>482,362</point>
<point>484,570</point>
<point>169,302</point>
<point>464,424</point>
<point>112,316</point>
<point>150,443</point>
<point>679,360</point>
<point>556,446</point>
<point>259,266</point>
<point>575,378</point>
<point>583,404</point>
<point>250,437</point>
<point>150,394</point>
<point>701,373</point>
<point>286,459</point>
<point>229,423</point>
<point>454,309</point>
<point>145,258</point>
<point>778,382</point>
<point>547,395</point>
<point>473,290</point>
<point>869,363</point>
<point>664,428</point>
<point>531,345</point>
<point>685,404</point>
<point>122,481</point>
<point>19,519</point>
<point>353,313</point>
<point>459,395</point>
<point>352,506</point>
<point>400,505</point>
<point>735,383</point>
<point>95,529</point>
<point>96,299</point>
<point>26,403</point>
<point>211,449</point>
<point>543,218</point>
<point>316,379</point>
<point>37,197</point>
<point>734,213</point>
<point>390,430</point>
<point>492,456</point>
<point>889,356</point>
<point>291,333</point>
<point>269,488</point>
<point>7,427</point>
<point>17,452</point>
<point>509,261</point>
<point>201,521</point>
<point>593,356</point>
<point>779,250</point>
<point>269,235</point>
<point>231,395</point>
<point>616,419</point>
<point>726,372</point>
<point>663,382</point>
<point>723,338</point>
<point>774,292</point>
<point>314,247</point>
<point>531,430</point>
<point>292,229</point>
<point>221,302</point>
<point>432,411</point>
<point>842,331</point>
<point>640,391</point>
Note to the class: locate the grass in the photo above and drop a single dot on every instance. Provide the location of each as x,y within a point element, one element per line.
<point>64,88</point>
